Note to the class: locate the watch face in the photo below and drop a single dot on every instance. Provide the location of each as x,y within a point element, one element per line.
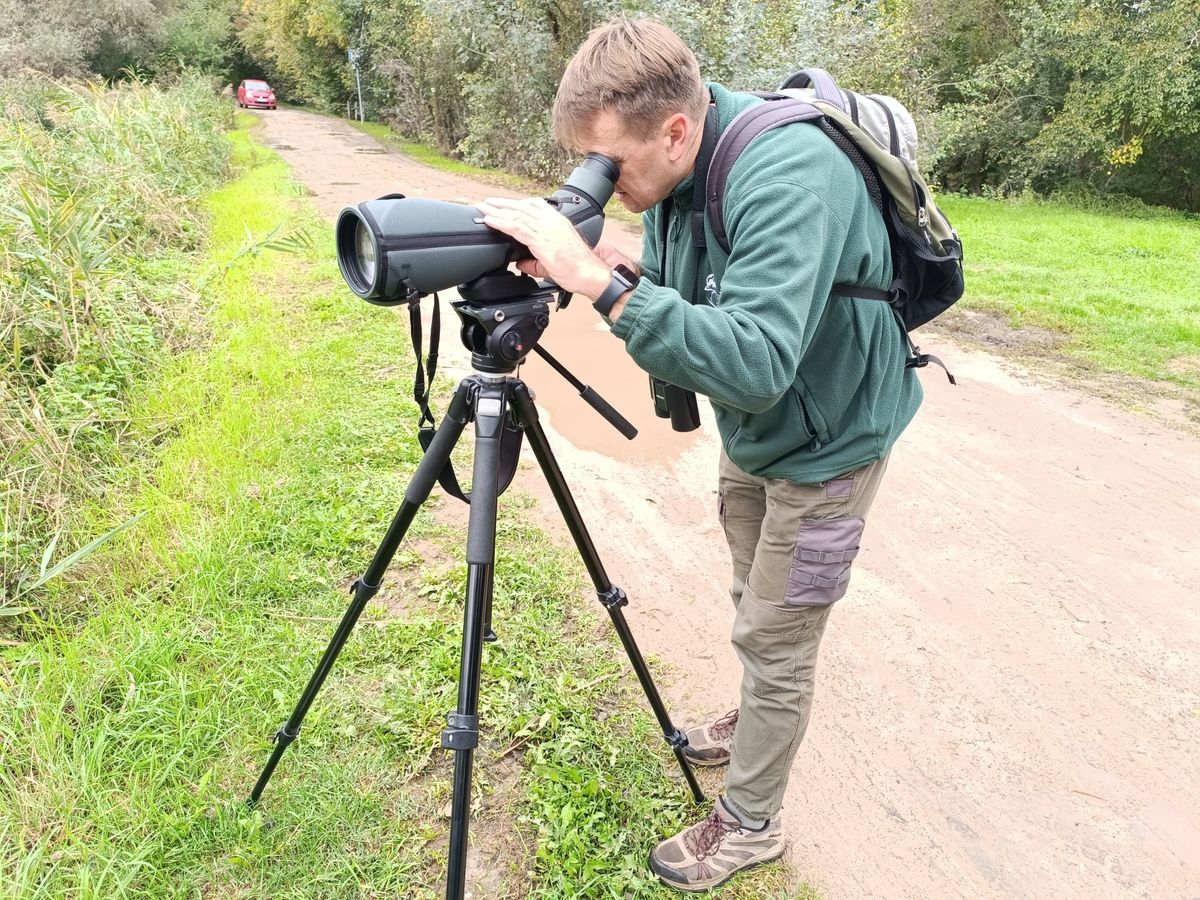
<point>628,274</point>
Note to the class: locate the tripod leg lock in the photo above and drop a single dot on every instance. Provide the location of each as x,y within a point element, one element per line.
<point>361,588</point>
<point>462,733</point>
<point>285,737</point>
<point>613,598</point>
<point>677,739</point>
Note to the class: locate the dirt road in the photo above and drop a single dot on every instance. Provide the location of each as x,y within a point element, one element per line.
<point>1009,699</point>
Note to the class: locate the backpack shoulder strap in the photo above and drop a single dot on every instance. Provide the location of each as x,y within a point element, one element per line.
<point>822,83</point>
<point>745,127</point>
<point>708,144</point>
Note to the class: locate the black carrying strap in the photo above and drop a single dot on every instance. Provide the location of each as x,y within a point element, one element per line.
<point>708,144</point>
<point>422,388</point>
<point>510,440</point>
<point>916,359</point>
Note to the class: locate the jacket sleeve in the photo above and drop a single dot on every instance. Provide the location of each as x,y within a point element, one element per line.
<point>744,351</point>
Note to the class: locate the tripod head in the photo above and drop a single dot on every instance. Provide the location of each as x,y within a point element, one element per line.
<point>503,316</point>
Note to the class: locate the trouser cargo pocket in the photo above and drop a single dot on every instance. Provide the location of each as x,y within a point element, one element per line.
<point>821,561</point>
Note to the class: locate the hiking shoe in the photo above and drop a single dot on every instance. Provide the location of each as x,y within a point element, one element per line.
<point>710,745</point>
<point>710,852</point>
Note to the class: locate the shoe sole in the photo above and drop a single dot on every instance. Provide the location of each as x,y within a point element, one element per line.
<point>707,763</point>
<point>700,887</point>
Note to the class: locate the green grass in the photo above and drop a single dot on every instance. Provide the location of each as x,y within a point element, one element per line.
<point>1122,287</point>
<point>135,707</point>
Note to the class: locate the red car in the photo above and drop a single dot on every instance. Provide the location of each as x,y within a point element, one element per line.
<point>256,93</point>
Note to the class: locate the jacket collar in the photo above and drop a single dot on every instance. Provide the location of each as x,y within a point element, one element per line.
<point>729,105</point>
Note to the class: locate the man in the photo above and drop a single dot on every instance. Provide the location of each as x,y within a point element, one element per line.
<point>810,391</point>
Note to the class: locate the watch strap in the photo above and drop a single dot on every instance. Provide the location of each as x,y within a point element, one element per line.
<point>622,281</point>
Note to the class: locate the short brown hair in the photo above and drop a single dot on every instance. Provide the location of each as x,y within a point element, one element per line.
<point>638,68</point>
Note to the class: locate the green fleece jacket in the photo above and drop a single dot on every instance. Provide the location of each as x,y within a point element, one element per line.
<point>805,386</point>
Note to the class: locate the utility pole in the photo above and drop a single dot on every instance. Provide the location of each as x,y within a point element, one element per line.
<point>355,57</point>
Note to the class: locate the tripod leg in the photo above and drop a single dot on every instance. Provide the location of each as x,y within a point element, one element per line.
<point>610,596</point>
<point>367,586</point>
<point>462,733</point>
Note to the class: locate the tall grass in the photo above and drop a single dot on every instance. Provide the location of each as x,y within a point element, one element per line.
<point>99,191</point>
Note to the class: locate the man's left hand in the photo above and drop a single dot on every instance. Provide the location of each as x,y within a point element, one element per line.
<point>560,254</point>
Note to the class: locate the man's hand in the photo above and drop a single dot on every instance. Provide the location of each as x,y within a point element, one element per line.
<point>613,257</point>
<point>560,254</point>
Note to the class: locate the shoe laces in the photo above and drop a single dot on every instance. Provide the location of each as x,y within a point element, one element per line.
<point>703,838</point>
<point>723,728</point>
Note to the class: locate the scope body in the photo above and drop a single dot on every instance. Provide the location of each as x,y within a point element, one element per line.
<point>397,247</point>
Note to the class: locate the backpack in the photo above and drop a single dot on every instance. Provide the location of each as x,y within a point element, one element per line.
<point>879,137</point>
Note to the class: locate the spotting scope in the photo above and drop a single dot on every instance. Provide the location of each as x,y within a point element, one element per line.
<point>396,248</point>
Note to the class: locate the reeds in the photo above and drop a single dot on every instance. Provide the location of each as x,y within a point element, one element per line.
<point>99,203</point>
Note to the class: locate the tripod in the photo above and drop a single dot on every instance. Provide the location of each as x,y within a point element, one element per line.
<point>500,406</point>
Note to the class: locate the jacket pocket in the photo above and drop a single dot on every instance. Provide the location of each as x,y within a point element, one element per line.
<point>812,436</point>
<point>816,422</point>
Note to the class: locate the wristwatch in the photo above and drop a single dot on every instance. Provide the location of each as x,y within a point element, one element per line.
<point>623,279</point>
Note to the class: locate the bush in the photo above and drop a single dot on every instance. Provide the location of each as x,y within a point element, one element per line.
<point>99,192</point>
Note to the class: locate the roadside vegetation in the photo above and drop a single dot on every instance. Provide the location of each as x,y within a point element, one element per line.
<point>273,455</point>
<point>99,207</point>
<point>1095,96</point>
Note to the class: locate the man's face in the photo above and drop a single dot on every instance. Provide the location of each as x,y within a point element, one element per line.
<point>647,171</point>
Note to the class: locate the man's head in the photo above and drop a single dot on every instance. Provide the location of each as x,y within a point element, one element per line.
<point>633,92</point>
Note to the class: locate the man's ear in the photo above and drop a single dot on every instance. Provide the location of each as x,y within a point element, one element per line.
<point>677,132</point>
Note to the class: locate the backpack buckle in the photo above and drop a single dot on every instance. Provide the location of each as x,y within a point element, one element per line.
<point>919,360</point>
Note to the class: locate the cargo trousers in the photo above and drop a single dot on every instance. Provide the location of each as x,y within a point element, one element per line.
<point>792,547</point>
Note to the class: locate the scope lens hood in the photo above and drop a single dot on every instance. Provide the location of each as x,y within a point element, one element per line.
<point>358,251</point>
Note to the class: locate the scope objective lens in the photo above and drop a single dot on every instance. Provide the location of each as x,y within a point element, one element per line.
<point>364,248</point>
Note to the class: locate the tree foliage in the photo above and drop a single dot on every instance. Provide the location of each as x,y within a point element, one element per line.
<point>1010,95</point>
<point>1096,94</point>
<point>302,45</point>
